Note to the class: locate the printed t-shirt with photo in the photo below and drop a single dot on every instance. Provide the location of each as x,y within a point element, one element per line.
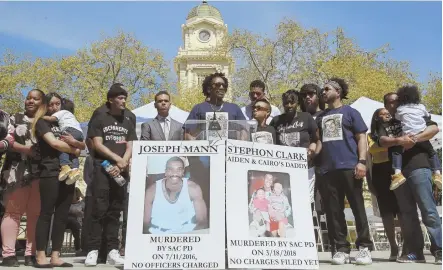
<point>227,111</point>
<point>265,134</point>
<point>50,163</point>
<point>300,131</point>
<point>115,131</point>
<point>337,128</point>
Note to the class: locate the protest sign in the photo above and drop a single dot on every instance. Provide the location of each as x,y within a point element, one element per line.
<point>269,219</point>
<point>176,210</point>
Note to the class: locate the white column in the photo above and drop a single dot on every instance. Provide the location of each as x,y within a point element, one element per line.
<point>189,77</point>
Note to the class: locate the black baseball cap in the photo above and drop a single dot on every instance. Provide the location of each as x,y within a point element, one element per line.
<point>117,89</point>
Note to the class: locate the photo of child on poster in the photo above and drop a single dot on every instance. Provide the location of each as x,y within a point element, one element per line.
<point>270,209</point>
<point>177,197</point>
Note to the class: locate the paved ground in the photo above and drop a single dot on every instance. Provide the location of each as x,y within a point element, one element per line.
<point>379,262</point>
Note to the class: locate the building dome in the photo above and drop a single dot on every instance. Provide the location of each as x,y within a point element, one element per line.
<point>204,10</point>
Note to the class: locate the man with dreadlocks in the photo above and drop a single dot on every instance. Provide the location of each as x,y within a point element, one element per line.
<point>217,110</point>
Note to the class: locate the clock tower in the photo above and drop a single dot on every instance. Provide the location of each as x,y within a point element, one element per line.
<point>202,35</point>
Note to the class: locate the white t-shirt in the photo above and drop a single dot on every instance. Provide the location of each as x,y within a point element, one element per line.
<point>411,118</point>
<point>247,112</point>
<point>67,119</point>
<point>169,217</point>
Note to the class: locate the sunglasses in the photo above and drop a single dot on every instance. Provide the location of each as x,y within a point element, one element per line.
<point>310,94</point>
<point>219,84</point>
<point>258,108</point>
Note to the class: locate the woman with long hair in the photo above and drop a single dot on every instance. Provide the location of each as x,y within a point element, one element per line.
<point>55,196</point>
<point>381,179</point>
<point>20,184</point>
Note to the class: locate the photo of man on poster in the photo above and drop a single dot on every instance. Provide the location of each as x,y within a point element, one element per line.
<point>175,203</point>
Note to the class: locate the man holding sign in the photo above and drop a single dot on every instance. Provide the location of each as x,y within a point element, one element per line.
<point>174,204</point>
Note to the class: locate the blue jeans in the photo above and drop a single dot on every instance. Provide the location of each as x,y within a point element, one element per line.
<point>418,191</point>
<point>69,159</point>
<point>396,157</point>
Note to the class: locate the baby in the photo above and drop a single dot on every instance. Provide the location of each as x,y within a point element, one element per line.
<point>279,210</point>
<point>68,125</point>
<point>6,139</point>
<point>412,116</point>
<point>261,205</point>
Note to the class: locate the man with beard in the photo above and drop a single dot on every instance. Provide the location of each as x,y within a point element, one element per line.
<point>310,101</point>
<point>215,109</point>
<point>174,204</point>
<point>342,168</point>
<point>417,191</point>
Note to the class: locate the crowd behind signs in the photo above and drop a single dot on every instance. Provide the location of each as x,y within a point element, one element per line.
<point>42,143</point>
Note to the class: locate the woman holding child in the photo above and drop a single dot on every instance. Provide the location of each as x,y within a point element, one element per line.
<point>381,176</point>
<point>55,196</point>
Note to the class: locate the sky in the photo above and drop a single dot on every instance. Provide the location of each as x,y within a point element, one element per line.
<point>46,29</point>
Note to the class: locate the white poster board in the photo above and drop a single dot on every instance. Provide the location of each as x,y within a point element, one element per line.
<point>176,218</point>
<point>269,219</point>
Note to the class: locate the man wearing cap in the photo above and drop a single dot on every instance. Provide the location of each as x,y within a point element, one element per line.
<point>342,168</point>
<point>116,87</point>
<point>112,134</point>
<point>257,92</point>
<point>105,108</point>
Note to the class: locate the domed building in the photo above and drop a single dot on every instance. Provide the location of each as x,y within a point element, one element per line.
<point>199,55</point>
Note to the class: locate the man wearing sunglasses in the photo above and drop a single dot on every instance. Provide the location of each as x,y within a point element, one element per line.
<point>342,168</point>
<point>310,101</point>
<point>214,108</point>
<point>256,92</point>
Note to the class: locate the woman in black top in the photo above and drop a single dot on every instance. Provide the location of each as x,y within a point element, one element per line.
<point>55,196</point>
<point>297,129</point>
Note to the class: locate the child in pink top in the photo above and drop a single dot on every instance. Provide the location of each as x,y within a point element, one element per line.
<point>261,205</point>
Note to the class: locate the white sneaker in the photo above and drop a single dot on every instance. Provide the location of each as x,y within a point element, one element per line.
<point>91,258</point>
<point>363,257</point>
<point>114,258</point>
<point>340,258</point>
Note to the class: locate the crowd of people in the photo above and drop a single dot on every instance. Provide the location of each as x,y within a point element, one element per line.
<point>42,145</point>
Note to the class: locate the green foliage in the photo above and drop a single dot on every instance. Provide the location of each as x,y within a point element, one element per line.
<point>297,56</point>
<point>86,76</point>
<point>185,99</point>
<point>13,77</point>
<point>431,95</point>
<point>287,59</point>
